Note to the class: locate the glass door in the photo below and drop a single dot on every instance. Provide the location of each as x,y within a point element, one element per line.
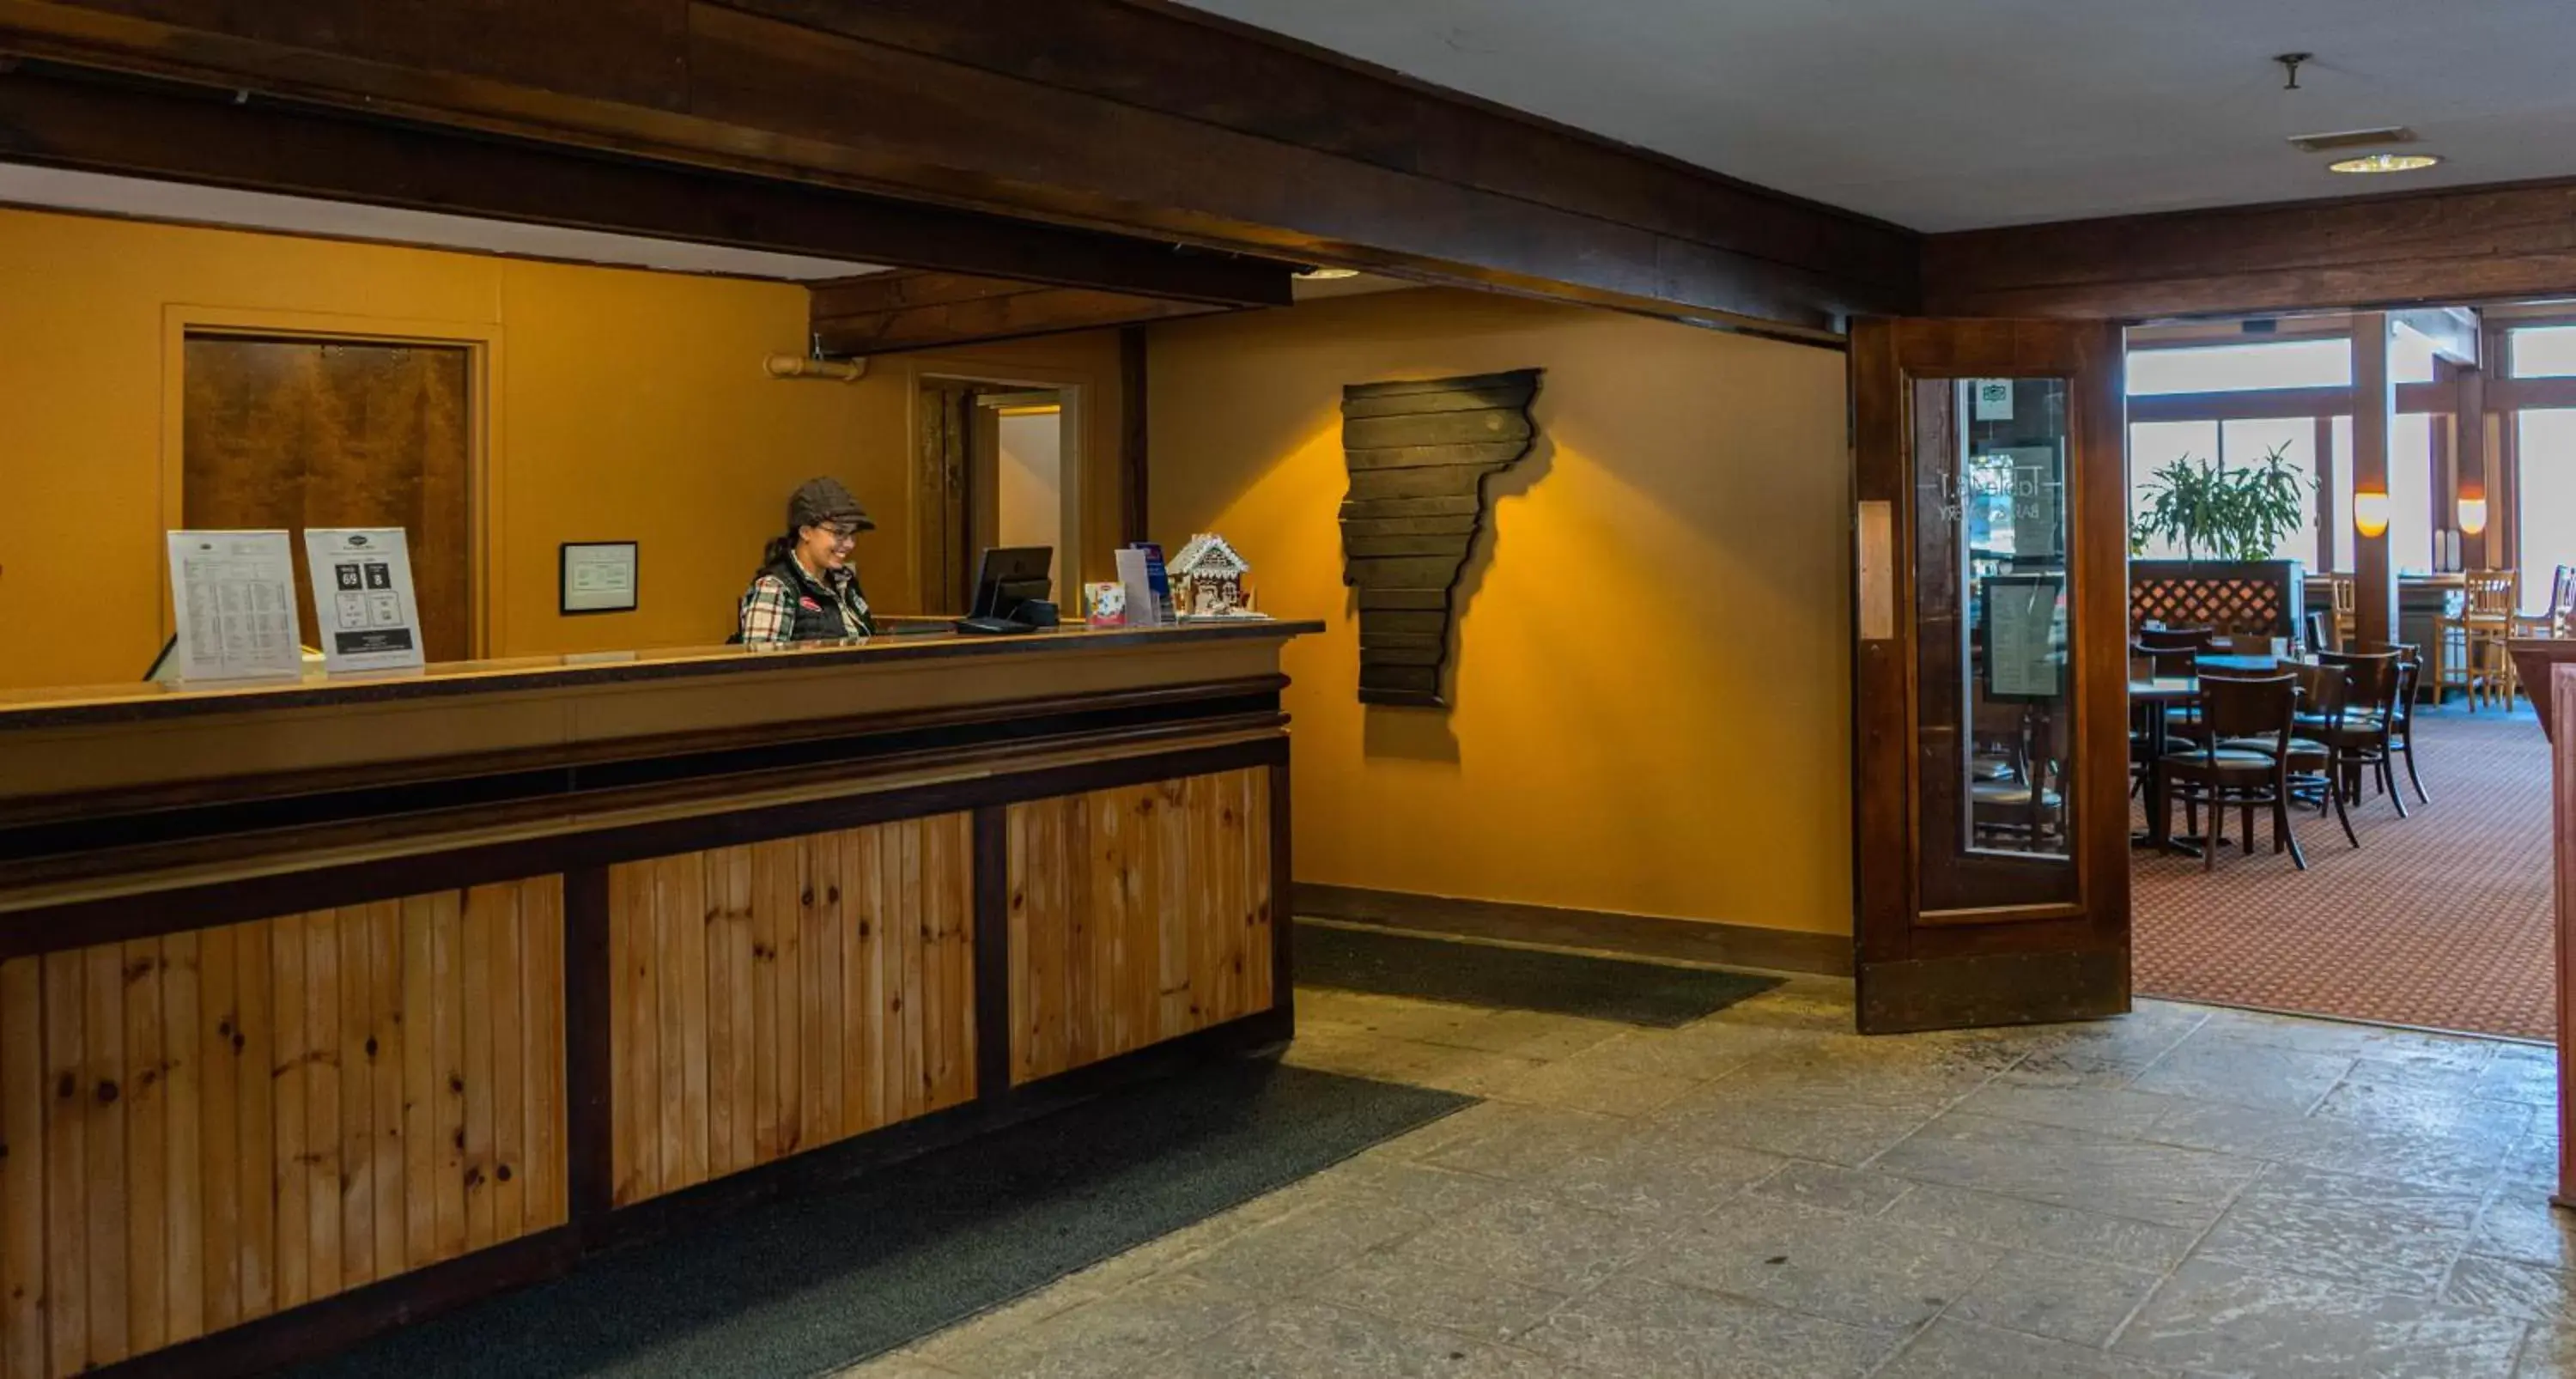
<point>1991,673</point>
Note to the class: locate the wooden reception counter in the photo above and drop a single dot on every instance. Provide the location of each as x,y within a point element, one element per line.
<point>326,1005</point>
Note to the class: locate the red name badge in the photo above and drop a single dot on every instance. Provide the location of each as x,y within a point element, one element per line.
<point>809,605</point>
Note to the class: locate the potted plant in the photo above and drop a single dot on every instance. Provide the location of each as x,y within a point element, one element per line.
<point>2237,514</point>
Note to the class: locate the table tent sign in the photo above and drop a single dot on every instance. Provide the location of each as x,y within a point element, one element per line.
<point>233,593</point>
<point>362,596</point>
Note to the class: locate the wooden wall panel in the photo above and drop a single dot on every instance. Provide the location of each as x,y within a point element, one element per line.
<point>1137,914</point>
<point>783,995</point>
<point>307,433</point>
<point>204,1128</point>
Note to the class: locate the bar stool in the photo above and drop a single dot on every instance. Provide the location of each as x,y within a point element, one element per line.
<point>2478,629</point>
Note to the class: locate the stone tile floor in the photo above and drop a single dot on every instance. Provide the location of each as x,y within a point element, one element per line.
<point>2183,1191</point>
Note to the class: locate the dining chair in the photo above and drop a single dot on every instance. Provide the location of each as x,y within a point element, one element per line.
<point>2346,595</point>
<point>2176,652</point>
<point>2364,737</point>
<point>2401,725</point>
<point>2558,617</point>
<point>2013,791</point>
<point>2478,630</point>
<point>2319,625</point>
<point>2244,762</point>
<point>2324,692</point>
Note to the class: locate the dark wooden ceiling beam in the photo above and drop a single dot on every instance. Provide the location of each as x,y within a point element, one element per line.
<point>889,313</point>
<point>1111,116</point>
<point>192,134</point>
<point>2453,246</point>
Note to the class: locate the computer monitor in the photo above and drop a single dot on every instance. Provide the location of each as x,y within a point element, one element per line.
<point>1008,576</point>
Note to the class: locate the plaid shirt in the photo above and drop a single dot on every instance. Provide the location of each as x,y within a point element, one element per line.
<point>769,608</point>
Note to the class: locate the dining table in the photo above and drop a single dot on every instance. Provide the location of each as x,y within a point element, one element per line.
<point>2150,699</point>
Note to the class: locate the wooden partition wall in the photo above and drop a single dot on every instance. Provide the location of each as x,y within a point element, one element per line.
<point>1137,914</point>
<point>782,995</point>
<point>211,1126</point>
<point>294,1049</point>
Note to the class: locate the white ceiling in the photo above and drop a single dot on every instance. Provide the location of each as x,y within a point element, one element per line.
<point>1950,114</point>
<point>56,189</point>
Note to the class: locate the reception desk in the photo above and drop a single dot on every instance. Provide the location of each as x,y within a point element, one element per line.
<point>326,1005</point>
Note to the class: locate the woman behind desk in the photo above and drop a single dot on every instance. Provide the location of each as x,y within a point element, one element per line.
<point>805,590</point>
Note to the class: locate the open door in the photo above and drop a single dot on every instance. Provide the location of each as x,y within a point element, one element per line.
<point>1990,673</point>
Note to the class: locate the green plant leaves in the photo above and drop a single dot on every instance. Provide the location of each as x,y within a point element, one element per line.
<point>2230,514</point>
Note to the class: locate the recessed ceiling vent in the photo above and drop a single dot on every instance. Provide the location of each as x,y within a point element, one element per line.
<point>2352,138</point>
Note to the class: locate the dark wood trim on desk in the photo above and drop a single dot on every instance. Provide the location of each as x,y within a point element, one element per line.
<point>500,787</point>
<point>119,917</point>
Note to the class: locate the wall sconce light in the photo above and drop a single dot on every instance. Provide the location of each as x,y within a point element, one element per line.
<point>2370,513</point>
<point>2473,515</point>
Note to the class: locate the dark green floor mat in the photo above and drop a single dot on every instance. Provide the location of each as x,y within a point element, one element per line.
<point>805,1286</point>
<point>1388,963</point>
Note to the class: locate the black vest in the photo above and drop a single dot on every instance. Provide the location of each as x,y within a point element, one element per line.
<point>818,610</point>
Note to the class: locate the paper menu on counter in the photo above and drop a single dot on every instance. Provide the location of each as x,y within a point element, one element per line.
<point>233,593</point>
<point>362,596</point>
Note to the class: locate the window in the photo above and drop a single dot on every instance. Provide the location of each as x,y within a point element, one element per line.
<point>2235,368</point>
<point>2410,493</point>
<point>2246,442</point>
<point>2548,497</point>
<point>2344,558</point>
<point>2152,446</point>
<point>2544,352</point>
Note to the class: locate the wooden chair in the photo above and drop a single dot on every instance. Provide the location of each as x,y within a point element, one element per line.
<point>2244,762</point>
<point>2346,594</point>
<point>2176,651</point>
<point>2013,790</point>
<point>2157,637</point>
<point>2323,693</point>
<point>2363,737</point>
<point>2477,633</point>
<point>2401,726</point>
<point>2558,618</point>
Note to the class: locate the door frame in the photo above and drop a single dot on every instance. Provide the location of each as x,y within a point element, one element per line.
<point>2011,963</point>
<point>483,345</point>
<point>1072,390</point>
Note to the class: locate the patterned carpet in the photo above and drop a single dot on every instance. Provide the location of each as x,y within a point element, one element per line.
<point>2441,920</point>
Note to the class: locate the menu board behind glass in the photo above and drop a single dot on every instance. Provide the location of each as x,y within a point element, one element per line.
<point>233,593</point>
<point>2005,483</point>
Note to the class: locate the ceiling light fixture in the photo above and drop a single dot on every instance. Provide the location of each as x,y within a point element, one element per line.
<point>2385,162</point>
<point>1317,275</point>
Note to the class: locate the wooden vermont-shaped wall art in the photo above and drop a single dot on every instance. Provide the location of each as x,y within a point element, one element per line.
<point>1419,453</point>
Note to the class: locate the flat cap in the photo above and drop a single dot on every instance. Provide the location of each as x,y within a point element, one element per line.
<point>823,502</point>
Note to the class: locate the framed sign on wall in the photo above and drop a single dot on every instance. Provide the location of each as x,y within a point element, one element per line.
<point>597,577</point>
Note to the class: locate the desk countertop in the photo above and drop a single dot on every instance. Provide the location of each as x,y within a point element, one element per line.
<point>150,701</point>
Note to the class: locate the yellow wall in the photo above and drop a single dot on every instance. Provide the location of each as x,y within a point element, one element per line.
<point>1650,708</point>
<point>623,405</point>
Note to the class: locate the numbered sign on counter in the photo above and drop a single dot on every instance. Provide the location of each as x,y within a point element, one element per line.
<point>362,597</point>
<point>234,595</point>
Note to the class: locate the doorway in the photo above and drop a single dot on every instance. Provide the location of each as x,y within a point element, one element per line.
<point>1000,466</point>
<point>280,432</point>
<point>2434,910</point>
